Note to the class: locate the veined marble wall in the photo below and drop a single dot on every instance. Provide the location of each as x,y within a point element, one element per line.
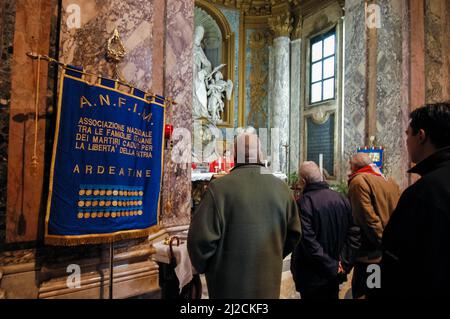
<point>7,20</point>
<point>152,65</point>
<point>176,208</point>
<point>85,46</point>
<point>354,79</point>
<point>281,102</point>
<point>295,113</point>
<point>389,115</point>
<point>396,58</point>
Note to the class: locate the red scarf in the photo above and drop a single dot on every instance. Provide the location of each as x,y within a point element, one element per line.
<point>369,169</point>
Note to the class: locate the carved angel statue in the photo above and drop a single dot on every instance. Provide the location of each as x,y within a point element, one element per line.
<point>202,67</point>
<point>217,88</point>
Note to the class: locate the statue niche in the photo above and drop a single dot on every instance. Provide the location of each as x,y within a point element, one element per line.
<point>209,86</point>
<point>213,68</point>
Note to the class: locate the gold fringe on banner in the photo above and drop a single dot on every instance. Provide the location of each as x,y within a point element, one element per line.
<point>68,240</point>
<point>99,239</point>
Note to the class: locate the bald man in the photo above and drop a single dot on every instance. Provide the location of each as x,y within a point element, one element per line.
<point>245,225</point>
<point>373,198</point>
<point>329,238</point>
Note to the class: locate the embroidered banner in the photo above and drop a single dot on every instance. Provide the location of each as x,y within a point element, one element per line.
<point>107,163</point>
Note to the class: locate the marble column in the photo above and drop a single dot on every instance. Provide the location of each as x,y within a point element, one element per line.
<point>281,27</point>
<point>295,113</point>
<point>437,44</point>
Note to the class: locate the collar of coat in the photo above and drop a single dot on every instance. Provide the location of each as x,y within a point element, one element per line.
<point>440,158</point>
<point>249,165</point>
<point>316,186</point>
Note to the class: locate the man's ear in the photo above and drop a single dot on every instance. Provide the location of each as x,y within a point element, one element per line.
<point>422,135</point>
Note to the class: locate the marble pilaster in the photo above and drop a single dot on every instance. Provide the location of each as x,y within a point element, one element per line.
<point>354,75</point>
<point>176,208</point>
<point>295,113</point>
<point>437,44</point>
<point>281,100</point>
<point>390,126</point>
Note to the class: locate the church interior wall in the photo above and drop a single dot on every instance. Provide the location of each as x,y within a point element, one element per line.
<point>317,115</point>
<point>159,60</point>
<point>373,99</point>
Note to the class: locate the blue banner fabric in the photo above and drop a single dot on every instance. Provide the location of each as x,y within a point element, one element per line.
<point>106,172</point>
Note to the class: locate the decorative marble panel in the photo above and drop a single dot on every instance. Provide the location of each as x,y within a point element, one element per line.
<point>281,97</point>
<point>176,207</point>
<point>354,75</point>
<point>295,114</point>
<point>85,46</point>
<point>390,128</point>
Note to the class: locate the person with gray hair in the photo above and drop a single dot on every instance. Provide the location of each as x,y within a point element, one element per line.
<point>245,225</point>
<point>373,198</point>
<point>329,238</point>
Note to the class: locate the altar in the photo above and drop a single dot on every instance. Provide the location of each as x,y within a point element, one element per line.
<point>200,181</point>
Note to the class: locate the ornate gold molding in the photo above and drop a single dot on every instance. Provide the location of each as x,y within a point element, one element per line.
<point>257,116</point>
<point>297,32</point>
<point>281,25</point>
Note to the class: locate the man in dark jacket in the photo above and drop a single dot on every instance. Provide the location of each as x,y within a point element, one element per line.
<point>329,238</point>
<point>416,241</point>
<point>246,223</point>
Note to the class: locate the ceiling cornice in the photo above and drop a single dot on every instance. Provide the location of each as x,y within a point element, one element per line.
<point>274,7</point>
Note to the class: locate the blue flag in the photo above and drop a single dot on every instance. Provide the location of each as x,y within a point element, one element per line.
<point>106,169</point>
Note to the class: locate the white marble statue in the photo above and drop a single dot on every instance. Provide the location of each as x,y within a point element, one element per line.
<point>202,68</point>
<point>218,90</point>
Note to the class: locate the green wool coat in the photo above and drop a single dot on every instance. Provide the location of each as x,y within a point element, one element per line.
<point>245,225</point>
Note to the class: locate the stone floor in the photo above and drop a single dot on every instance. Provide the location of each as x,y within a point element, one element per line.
<point>288,287</point>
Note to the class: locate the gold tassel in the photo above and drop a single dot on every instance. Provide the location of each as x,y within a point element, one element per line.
<point>34,158</point>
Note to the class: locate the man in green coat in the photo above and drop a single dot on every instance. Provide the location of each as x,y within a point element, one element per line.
<point>245,225</point>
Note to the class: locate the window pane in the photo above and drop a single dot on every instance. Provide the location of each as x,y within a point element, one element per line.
<point>328,67</point>
<point>328,89</point>
<point>316,72</point>
<point>316,92</point>
<point>316,51</point>
<point>329,46</point>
